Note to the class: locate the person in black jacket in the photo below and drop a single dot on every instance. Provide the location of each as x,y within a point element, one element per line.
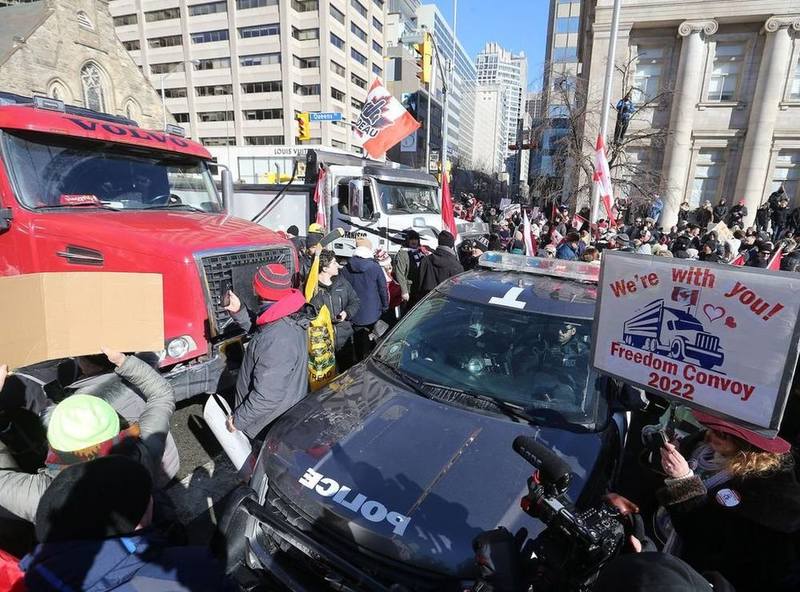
<point>720,211</point>
<point>780,217</point>
<point>443,263</point>
<point>369,282</point>
<point>703,215</point>
<point>737,214</point>
<point>338,295</point>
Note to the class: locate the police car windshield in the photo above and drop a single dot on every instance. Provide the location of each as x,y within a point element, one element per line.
<point>55,172</point>
<point>397,198</point>
<point>534,361</point>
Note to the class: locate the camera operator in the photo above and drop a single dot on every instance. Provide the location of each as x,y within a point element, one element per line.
<point>733,499</point>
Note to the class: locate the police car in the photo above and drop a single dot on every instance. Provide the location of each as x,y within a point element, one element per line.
<point>382,480</point>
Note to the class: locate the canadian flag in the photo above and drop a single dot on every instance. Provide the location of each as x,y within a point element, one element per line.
<point>319,200</point>
<point>602,176</point>
<point>383,121</point>
<point>448,215</point>
<point>526,235</point>
<point>775,261</point>
<point>740,259</point>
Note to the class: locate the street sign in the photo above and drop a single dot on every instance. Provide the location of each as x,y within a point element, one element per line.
<point>322,116</point>
<point>409,143</point>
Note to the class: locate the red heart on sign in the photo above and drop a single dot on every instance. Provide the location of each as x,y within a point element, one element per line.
<point>713,312</point>
<point>730,322</point>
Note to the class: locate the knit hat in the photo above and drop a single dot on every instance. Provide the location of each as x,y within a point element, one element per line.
<point>410,234</point>
<point>272,282</point>
<point>776,445</point>
<point>81,421</point>
<point>383,258</point>
<point>94,500</point>
<point>446,239</point>
<point>363,241</point>
<point>293,230</point>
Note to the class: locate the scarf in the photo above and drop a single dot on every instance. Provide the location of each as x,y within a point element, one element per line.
<point>58,460</point>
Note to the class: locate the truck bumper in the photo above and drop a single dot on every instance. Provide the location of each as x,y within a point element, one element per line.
<point>216,374</point>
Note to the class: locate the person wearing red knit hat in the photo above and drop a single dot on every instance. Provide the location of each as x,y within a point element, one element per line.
<point>274,371</point>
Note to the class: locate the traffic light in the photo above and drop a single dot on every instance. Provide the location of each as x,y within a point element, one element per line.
<point>425,58</point>
<point>303,127</point>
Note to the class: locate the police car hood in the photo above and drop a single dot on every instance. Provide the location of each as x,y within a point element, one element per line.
<point>405,478</point>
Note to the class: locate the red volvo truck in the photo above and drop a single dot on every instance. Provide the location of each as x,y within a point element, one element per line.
<point>88,191</point>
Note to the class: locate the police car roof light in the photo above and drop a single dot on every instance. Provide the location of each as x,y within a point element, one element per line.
<point>574,270</point>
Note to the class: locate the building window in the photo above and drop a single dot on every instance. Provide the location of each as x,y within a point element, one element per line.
<point>337,94</point>
<point>356,104</point>
<point>337,41</point>
<point>210,36</point>
<point>338,69</point>
<point>131,109</point>
<point>215,116</point>
<point>305,5</point>
<point>167,67</point>
<point>169,41</point>
<point>245,4</point>
<point>360,58</point>
<point>305,34</point>
<point>259,114</point>
<point>794,91</point>
<point>213,64</point>
<point>337,14</point>
<point>260,59</point>
<point>728,58</point>
<point>262,87</point>
<point>93,92</point>
<point>208,8</point>
<point>708,171</point>
<point>567,24</point>
<point>358,32</point>
<point>263,140</point>
<point>360,8</point>
<point>213,90</point>
<point>175,93</point>
<point>125,19</point>
<point>259,31</point>
<point>378,3</point>
<point>306,90</point>
<point>565,54</point>
<point>181,117</point>
<point>377,70</point>
<point>218,141</point>
<point>162,15</point>
<point>305,63</point>
<point>84,20</point>
<point>377,47</point>
<point>338,144</point>
<point>787,174</point>
<point>377,24</point>
<point>358,81</point>
<point>132,45</point>
<point>647,78</point>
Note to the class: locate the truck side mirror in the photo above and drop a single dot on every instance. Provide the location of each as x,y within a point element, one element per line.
<point>227,189</point>
<point>6,216</point>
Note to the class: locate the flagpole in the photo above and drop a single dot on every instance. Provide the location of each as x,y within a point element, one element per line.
<point>448,78</point>
<point>612,53</point>
<point>431,89</point>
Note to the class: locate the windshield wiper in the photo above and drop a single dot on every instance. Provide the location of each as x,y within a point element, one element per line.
<point>167,206</point>
<point>510,409</point>
<point>100,206</point>
<point>415,383</point>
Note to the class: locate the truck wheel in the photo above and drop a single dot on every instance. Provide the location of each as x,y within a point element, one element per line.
<point>229,544</point>
<point>676,350</point>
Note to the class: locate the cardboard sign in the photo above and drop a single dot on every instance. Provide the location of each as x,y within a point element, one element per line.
<point>47,316</point>
<point>717,337</point>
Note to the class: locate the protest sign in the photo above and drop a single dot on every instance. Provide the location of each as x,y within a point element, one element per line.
<point>717,337</point>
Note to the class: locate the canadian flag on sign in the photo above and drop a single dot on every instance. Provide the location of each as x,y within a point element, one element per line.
<point>602,176</point>
<point>383,121</point>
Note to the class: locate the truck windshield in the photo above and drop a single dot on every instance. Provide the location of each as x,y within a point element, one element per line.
<point>57,172</point>
<point>539,363</point>
<point>398,198</point>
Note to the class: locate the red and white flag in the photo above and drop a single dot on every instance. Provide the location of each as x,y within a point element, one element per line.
<point>775,261</point>
<point>602,176</point>
<point>448,217</point>
<point>383,121</point>
<point>684,296</point>
<point>739,259</point>
<point>319,199</point>
<point>526,235</point>
<point>557,237</point>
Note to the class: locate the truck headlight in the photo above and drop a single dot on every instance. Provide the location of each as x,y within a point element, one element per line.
<point>180,346</point>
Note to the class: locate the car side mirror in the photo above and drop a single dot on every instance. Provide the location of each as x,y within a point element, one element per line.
<point>227,188</point>
<point>375,216</point>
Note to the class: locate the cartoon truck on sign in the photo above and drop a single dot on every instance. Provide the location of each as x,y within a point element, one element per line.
<point>670,331</point>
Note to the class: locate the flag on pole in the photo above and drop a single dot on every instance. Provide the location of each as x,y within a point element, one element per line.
<point>602,176</point>
<point>319,200</point>
<point>775,261</point>
<point>526,235</point>
<point>383,121</point>
<point>556,236</point>
<point>739,259</point>
<point>448,218</point>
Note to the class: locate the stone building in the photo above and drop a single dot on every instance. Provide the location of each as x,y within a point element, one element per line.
<point>723,77</point>
<point>68,49</point>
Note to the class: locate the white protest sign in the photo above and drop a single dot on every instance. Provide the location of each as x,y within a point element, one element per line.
<point>719,337</point>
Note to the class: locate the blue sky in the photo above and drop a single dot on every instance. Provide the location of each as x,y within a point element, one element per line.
<point>518,25</point>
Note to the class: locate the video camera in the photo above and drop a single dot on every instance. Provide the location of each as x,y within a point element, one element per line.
<point>568,554</point>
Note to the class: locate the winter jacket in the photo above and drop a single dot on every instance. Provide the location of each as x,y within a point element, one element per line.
<point>436,268</point>
<point>274,372</point>
<point>720,212</point>
<point>20,492</point>
<point>737,214</point>
<point>406,270</point>
<point>703,217</point>
<point>779,216</point>
<point>369,282</point>
<point>338,297</point>
<point>126,564</point>
<point>565,251</point>
<point>752,541</point>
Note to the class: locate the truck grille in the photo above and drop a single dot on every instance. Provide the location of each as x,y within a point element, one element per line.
<point>707,342</point>
<point>235,271</point>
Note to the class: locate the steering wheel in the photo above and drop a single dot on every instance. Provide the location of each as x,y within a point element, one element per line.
<point>165,198</point>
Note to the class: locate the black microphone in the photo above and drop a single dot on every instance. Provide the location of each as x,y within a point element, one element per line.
<point>553,469</point>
